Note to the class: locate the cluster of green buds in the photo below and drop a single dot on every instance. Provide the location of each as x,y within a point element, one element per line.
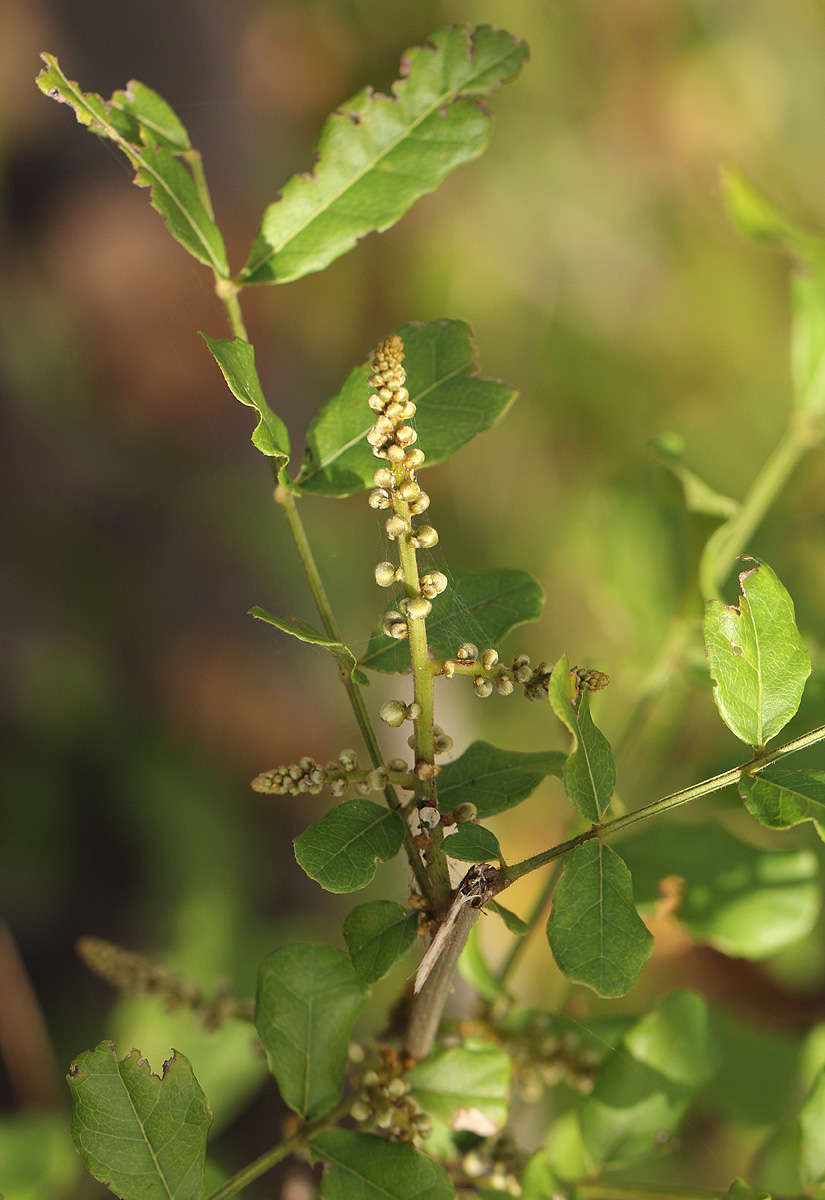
<point>308,776</point>
<point>383,1101</point>
<point>495,1164</point>
<point>543,1057</point>
<point>490,675</point>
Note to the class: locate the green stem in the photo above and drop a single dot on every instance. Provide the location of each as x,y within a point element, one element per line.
<point>674,800</point>
<point>270,1158</point>
<point>227,292</point>
<point>731,538</point>
<point>542,902</point>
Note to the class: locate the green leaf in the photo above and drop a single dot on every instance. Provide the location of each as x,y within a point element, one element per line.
<point>454,403</point>
<point>785,798</point>
<point>513,923</point>
<point>378,154</point>
<point>361,1166</point>
<point>812,1130</point>
<point>589,772</point>
<point>595,933</point>
<point>538,1181</point>
<point>378,935</point>
<point>308,999</point>
<point>341,849</point>
<point>472,843</point>
<point>484,606</point>
<point>744,901</point>
<point>700,497</point>
<point>153,155</point>
<point>236,359</point>
<point>757,659</point>
<point>155,120</point>
<point>473,1076</point>
<point>493,779</point>
<point>646,1085</point>
<point>142,1135</point>
<point>808,344</point>
<point>38,1156</point>
<point>754,216</point>
<point>473,966</point>
<point>739,1190</point>
<point>304,632</point>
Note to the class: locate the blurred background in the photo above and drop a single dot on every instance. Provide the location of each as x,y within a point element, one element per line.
<point>590,252</point>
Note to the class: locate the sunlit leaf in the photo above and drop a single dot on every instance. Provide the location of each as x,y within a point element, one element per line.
<point>472,843</point>
<point>493,779</point>
<point>485,606</point>
<point>155,159</point>
<point>474,1075</point>
<point>236,359</point>
<point>808,344</point>
<point>340,850</point>
<point>756,657</point>
<point>308,998</point>
<point>378,154</point>
<point>589,772</point>
<point>361,1166</point>
<point>786,797</point>
<point>755,217</point>
<point>378,935</point>
<point>154,118</point>
<point>143,1135</point>
<point>745,901</point>
<point>305,632</point>
<point>596,935</point>
<point>538,1181</point>
<point>453,401</point>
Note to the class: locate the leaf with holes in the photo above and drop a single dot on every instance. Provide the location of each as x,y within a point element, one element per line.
<point>454,403</point>
<point>589,772</point>
<point>756,657</point>
<point>236,359</point>
<point>786,797</point>
<point>596,935</point>
<point>307,1001</point>
<point>493,779</point>
<point>378,154</point>
<point>361,1166</point>
<point>378,935</point>
<point>486,605</point>
<point>142,1135</point>
<point>341,849</point>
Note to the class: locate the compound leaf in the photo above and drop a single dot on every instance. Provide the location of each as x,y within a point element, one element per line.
<point>743,900</point>
<point>756,657</point>
<point>589,772</point>
<point>304,632</point>
<point>153,148</point>
<point>493,779</point>
<point>485,606</point>
<point>378,154</point>
<point>378,935</point>
<point>307,1001</point>
<point>472,843</point>
<point>142,1135</point>
<point>785,798</point>
<point>454,403</point>
<point>473,1076</point>
<point>361,1166</point>
<point>236,359</point>
<point>340,850</point>
<point>596,935</point>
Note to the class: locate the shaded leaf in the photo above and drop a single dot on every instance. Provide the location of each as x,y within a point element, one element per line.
<point>142,1135</point>
<point>484,606</point>
<point>743,900</point>
<point>756,657</point>
<point>755,217</point>
<point>473,966</point>
<point>493,779</point>
<point>341,849</point>
<point>378,154</point>
<point>589,772</point>
<point>646,1085</point>
<point>236,359</point>
<point>513,923</point>
<point>596,935</point>
<point>808,344</point>
<point>475,1075</point>
<point>812,1133</point>
<point>304,632</point>
<point>152,152</point>
<point>786,797</point>
<point>472,843</point>
<point>378,935</point>
<point>365,1166</point>
<point>308,999</point>
<point>454,403</point>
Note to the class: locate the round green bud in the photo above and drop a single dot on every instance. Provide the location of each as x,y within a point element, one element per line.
<point>393,713</point>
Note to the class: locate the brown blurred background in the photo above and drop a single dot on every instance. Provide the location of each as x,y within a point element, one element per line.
<point>589,251</point>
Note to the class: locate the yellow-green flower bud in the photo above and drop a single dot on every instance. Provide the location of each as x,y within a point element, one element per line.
<point>384,574</point>
<point>482,687</point>
<point>395,527</point>
<point>392,713</point>
<point>418,607</point>
<point>467,652</point>
<point>426,537</point>
<point>489,658</point>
